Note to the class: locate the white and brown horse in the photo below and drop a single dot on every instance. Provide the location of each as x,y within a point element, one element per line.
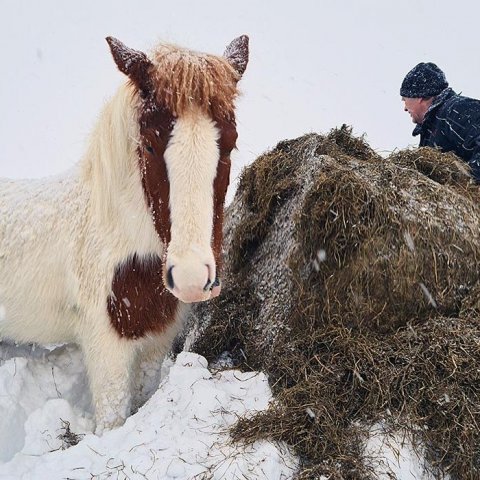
<point>109,255</point>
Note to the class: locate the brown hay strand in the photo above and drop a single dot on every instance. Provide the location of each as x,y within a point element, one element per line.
<point>371,274</point>
<point>341,143</point>
<point>184,78</point>
<point>449,171</point>
<point>421,375</point>
<point>359,340</point>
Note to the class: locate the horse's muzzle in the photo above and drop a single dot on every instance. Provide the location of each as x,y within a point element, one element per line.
<point>192,285</point>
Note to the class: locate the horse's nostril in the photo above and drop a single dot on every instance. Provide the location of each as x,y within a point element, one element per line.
<point>211,285</point>
<point>170,283</point>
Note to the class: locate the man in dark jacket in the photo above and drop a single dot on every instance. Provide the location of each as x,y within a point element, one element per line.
<point>443,118</point>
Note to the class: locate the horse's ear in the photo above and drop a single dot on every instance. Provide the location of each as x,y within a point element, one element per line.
<point>133,63</point>
<point>237,54</point>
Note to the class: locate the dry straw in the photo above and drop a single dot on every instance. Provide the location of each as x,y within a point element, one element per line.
<point>381,316</point>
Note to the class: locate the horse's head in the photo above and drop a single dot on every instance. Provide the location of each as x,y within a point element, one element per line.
<point>187,131</point>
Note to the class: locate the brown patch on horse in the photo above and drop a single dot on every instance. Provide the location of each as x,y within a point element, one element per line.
<point>226,143</point>
<point>139,303</point>
<point>183,78</point>
<point>155,128</point>
<point>220,185</point>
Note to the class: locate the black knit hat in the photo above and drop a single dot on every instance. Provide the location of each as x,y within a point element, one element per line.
<point>423,81</point>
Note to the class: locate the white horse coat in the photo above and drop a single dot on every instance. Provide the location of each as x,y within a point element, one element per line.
<point>65,241</point>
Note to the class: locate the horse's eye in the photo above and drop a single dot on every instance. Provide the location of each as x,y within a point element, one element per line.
<point>148,148</point>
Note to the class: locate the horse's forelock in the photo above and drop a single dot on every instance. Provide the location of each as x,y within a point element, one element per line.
<point>183,78</point>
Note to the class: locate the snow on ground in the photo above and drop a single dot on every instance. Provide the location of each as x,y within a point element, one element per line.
<point>181,433</point>
<point>393,456</point>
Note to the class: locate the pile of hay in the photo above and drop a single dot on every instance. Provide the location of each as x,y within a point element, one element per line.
<point>353,281</point>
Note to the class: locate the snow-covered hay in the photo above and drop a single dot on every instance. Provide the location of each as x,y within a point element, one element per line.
<point>352,280</point>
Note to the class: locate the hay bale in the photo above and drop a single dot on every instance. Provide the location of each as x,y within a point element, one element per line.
<point>351,280</point>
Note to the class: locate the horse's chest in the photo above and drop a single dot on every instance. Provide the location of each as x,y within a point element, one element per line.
<point>139,303</point>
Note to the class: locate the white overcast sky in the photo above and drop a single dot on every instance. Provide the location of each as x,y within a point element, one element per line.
<point>314,65</point>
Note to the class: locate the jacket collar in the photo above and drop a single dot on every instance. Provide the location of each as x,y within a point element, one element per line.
<point>438,100</point>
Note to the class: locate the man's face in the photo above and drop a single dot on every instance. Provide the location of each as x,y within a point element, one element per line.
<point>417,107</point>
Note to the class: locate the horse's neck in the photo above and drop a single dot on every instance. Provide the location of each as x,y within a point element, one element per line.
<point>111,170</point>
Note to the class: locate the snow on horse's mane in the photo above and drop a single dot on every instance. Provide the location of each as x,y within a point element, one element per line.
<point>184,78</point>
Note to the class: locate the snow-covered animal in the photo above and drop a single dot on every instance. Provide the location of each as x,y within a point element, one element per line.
<point>109,255</point>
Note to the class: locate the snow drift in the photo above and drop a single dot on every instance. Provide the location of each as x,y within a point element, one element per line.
<point>181,432</point>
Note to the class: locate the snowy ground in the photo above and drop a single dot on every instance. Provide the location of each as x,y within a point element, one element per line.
<point>181,433</point>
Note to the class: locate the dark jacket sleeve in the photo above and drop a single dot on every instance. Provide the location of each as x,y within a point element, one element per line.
<point>461,125</point>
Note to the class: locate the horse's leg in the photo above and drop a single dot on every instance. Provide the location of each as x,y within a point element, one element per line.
<point>147,371</point>
<point>109,361</point>
<point>148,365</point>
